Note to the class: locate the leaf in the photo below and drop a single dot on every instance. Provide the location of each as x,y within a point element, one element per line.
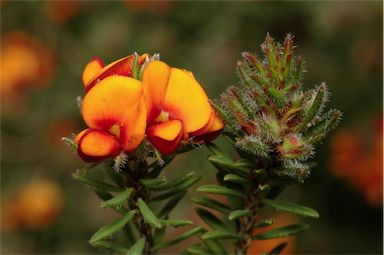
<point>215,246</point>
<point>180,238</point>
<point>211,220</point>
<point>264,223</point>
<point>278,249</point>
<point>137,248</point>
<point>106,196</point>
<point>197,249</point>
<point>148,215</point>
<point>212,204</point>
<point>95,183</point>
<point>238,214</point>
<point>171,204</point>
<point>283,231</point>
<point>110,246</point>
<point>218,234</point>
<point>112,228</point>
<point>171,192</point>
<point>236,179</point>
<point>291,207</point>
<point>172,184</point>
<point>220,190</point>
<point>176,223</point>
<point>150,183</point>
<point>118,200</point>
<point>213,148</point>
<point>228,165</point>
<point>111,172</point>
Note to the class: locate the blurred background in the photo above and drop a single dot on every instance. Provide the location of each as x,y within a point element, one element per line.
<point>46,44</point>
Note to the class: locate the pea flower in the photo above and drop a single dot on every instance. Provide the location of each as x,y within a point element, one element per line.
<point>177,108</point>
<point>113,109</point>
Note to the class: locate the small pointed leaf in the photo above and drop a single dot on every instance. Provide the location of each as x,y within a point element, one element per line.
<point>180,238</point>
<point>112,228</point>
<point>115,248</point>
<point>176,223</point>
<point>236,179</point>
<point>283,231</point>
<point>291,207</point>
<point>119,200</point>
<point>148,215</point>
<point>212,204</point>
<point>264,223</point>
<point>278,249</point>
<point>220,190</point>
<point>211,220</point>
<point>95,183</point>
<point>217,234</point>
<point>137,248</point>
<point>238,214</point>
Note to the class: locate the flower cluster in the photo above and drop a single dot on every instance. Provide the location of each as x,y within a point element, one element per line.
<point>140,97</point>
<point>358,159</point>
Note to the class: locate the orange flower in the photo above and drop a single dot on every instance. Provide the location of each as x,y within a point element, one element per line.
<point>35,206</point>
<point>24,62</point>
<point>358,164</point>
<point>113,109</point>
<point>177,108</point>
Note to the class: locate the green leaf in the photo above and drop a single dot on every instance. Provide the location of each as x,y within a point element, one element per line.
<point>213,148</point>
<point>291,207</point>
<point>151,183</point>
<point>171,192</point>
<point>148,215</point>
<point>137,248</point>
<point>197,249</point>
<point>112,247</point>
<point>283,231</point>
<point>236,179</point>
<point>220,190</point>
<point>211,220</point>
<point>215,246</point>
<point>112,228</point>
<point>171,204</point>
<point>113,174</point>
<point>264,223</point>
<point>212,204</point>
<point>238,214</point>
<point>228,165</point>
<point>316,106</point>
<point>278,249</point>
<point>107,196</point>
<point>217,234</point>
<point>172,184</point>
<point>118,200</point>
<point>95,183</point>
<point>180,238</point>
<point>176,223</point>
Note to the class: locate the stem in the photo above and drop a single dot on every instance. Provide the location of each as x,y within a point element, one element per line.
<point>247,223</point>
<point>145,230</point>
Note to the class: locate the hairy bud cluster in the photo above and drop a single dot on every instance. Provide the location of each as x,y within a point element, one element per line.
<point>270,116</point>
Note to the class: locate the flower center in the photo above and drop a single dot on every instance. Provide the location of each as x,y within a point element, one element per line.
<point>115,130</point>
<point>163,116</point>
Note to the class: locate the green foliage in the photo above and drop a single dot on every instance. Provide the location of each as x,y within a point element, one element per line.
<point>273,125</point>
<point>131,192</point>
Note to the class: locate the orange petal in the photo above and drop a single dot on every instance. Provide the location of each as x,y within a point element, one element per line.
<point>166,136</point>
<point>97,145</point>
<point>155,81</point>
<point>121,67</point>
<point>210,131</point>
<point>92,69</point>
<point>186,100</point>
<point>111,102</point>
<point>133,132</point>
<point>79,136</point>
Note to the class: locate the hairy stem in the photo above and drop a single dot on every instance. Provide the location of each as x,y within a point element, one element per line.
<point>247,223</point>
